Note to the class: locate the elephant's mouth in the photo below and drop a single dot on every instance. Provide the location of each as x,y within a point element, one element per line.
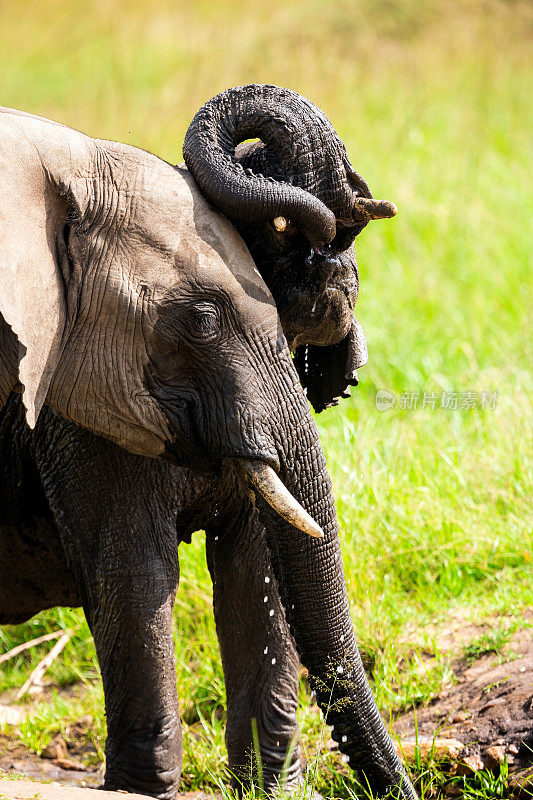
<point>316,304</point>
<point>260,478</point>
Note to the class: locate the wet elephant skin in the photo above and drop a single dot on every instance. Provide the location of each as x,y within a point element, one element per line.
<point>59,548</point>
<point>100,527</point>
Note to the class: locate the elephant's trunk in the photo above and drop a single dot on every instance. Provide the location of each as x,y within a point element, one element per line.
<point>313,591</point>
<point>299,170</point>
<point>275,116</point>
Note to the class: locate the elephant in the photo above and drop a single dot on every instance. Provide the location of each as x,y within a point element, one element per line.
<point>148,390</point>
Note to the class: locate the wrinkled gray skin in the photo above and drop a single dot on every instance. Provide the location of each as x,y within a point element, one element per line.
<point>163,337</point>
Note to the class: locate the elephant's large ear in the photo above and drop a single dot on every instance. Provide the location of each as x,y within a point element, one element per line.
<point>327,372</point>
<point>42,184</point>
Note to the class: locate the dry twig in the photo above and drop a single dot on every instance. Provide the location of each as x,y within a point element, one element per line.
<point>42,666</point>
<point>26,645</point>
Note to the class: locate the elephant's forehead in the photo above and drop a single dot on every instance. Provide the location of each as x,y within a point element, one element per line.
<point>207,249</point>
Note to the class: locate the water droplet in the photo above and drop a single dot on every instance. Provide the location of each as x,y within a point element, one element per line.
<point>273,661</point>
<point>340,669</point>
<point>271,612</point>
<point>267,579</point>
<point>342,638</point>
<point>216,538</point>
<point>344,738</point>
<point>265,599</point>
<point>292,607</point>
<point>265,651</point>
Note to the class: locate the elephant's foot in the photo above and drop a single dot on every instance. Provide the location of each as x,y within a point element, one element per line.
<point>149,765</point>
<point>162,785</point>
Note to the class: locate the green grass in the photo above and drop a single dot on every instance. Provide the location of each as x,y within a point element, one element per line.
<point>491,641</point>
<point>433,102</point>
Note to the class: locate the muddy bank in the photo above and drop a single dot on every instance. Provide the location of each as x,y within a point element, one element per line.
<point>490,707</point>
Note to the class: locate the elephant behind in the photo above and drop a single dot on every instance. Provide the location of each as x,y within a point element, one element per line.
<point>159,396</point>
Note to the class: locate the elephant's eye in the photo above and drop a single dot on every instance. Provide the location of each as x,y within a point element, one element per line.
<point>203,322</point>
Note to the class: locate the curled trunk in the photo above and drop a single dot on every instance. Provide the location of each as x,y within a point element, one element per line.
<point>299,170</point>
<point>272,115</point>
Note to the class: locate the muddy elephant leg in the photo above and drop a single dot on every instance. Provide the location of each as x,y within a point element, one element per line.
<point>129,614</point>
<point>121,548</point>
<point>260,663</point>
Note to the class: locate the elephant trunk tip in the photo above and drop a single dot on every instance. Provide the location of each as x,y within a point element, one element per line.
<point>365,209</point>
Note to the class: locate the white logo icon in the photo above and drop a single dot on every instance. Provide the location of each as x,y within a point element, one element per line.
<point>384,400</point>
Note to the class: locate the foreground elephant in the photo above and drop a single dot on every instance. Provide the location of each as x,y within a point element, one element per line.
<point>134,313</point>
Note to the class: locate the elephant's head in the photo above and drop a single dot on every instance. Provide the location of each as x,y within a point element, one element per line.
<point>298,204</point>
<point>134,309</point>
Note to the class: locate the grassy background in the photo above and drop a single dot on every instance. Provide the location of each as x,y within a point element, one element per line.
<point>433,100</point>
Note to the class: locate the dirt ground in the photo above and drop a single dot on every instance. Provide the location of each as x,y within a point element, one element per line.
<point>491,704</point>
<point>18,760</point>
<point>16,789</point>
<point>486,715</point>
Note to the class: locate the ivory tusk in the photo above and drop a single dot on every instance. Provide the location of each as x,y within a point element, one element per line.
<point>262,479</point>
